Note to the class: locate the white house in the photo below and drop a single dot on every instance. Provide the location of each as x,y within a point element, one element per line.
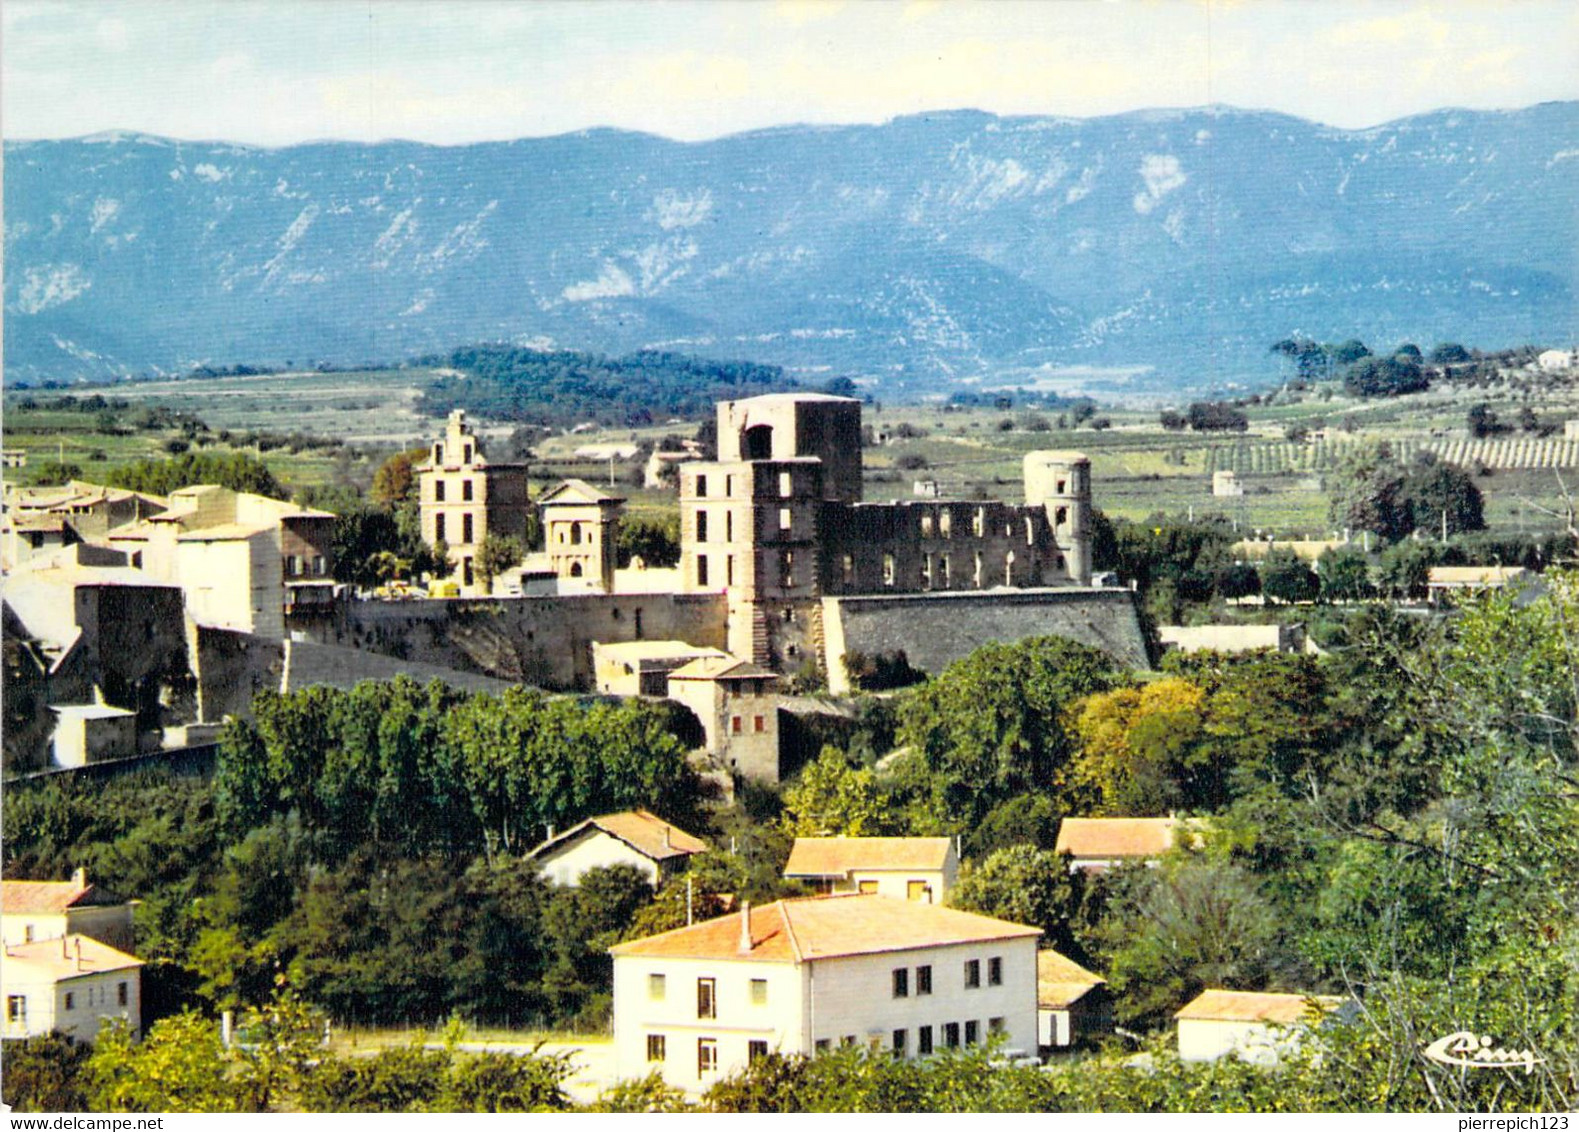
<point>71,984</point>
<point>1255,1026</point>
<point>797,976</point>
<point>910,868</point>
<point>1096,844</point>
<point>33,910</point>
<point>637,838</point>
<point>1072,1004</point>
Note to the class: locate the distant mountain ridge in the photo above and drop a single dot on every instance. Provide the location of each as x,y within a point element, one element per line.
<point>927,250</point>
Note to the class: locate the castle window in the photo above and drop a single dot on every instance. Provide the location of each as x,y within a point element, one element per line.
<point>978,523</point>
<point>701,487</point>
<point>438,491</point>
<point>729,569</point>
<point>1008,569</point>
<point>1060,489</point>
<point>575,572</point>
<point>926,571</point>
<point>575,534</point>
<point>438,528</point>
<point>787,568</point>
<point>888,569</point>
<point>847,564</point>
<point>729,485</point>
<point>759,724</point>
<point>946,523</point>
<point>926,525</point>
<point>701,569</point>
<point>637,624</point>
<point>943,571</point>
<point>1030,532</point>
<point>466,490</point>
<point>735,726</point>
<point>1061,517</point>
<point>438,453</point>
<point>786,519</point>
<point>786,485</point>
<point>701,526</point>
<point>758,442</point>
<point>468,454</point>
<point>466,528</point>
<point>466,571</point>
<point>729,526</point>
<point>977,578</point>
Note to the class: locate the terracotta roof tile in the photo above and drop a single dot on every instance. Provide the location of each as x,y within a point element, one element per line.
<point>23,897</point>
<point>827,927</point>
<point>1255,1006</point>
<point>642,831</point>
<point>1115,837</point>
<point>837,856</point>
<point>1061,981</point>
<point>71,956</point>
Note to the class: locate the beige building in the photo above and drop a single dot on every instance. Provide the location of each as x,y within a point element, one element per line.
<point>581,535</point>
<point>40,519</point>
<point>737,703</point>
<point>70,985</point>
<point>642,840</point>
<point>643,668</point>
<point>800,976</point>
<point>1255,1026</point>
<point>917,869</point>
<point>32,910</point>
<point>1097,844</point>
<point>1073,1005</point>
<point>463,497</point>
<point>92,733</point>
<point>1445,582</point>
<point>1233,638</point>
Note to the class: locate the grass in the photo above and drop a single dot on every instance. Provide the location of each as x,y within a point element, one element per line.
<point>367,1040</point>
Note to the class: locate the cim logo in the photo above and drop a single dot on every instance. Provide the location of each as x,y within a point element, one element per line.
<point>1465,1049</point>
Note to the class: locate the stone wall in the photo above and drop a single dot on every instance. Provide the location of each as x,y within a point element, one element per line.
<point>307,663</point>
<point>545,641</point>
<point>937,629</point>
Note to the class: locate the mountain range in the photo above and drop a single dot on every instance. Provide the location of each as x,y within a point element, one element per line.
<point>1162,249</point>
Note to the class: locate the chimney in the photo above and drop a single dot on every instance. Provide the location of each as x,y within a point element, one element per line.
<point>668,839</point>
<point>79,879</point>
<point>77,946</point>
<point>745,927</point>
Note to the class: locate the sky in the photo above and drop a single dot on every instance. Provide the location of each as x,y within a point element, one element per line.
<point>276,72</point>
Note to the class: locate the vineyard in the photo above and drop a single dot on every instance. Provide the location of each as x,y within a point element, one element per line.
<point>1287,457</point>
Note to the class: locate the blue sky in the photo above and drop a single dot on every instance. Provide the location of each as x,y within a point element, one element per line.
<point>274,72</point>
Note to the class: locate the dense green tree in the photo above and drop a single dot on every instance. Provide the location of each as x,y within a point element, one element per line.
<point>1024,885</point>
<point>1345,575</point>
<point>1286,578</point>
<point>656,541</point>
<point>494,555</point>
<point>238,471</point>
<point>44,1074</point>
<point>1385,377</point>
<point>835,798</point>
<point>1443,498</point>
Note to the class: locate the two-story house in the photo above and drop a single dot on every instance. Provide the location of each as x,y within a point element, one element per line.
<point>910,868</point>
<point>70,985</point>
<point>32,910</point>
<point>798,976</point>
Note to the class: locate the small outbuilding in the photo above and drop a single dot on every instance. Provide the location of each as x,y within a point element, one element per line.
<point>1097,844</point>
<point>637,838</point>
<point>918,869</point>
<point>1256,1026</point>
<point>1073,1005</point>
<point>91,733</point>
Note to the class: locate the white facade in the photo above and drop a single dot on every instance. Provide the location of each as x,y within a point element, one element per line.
<point>697,1020</point>
<point>596,851</point>
<point>43,991</point>
<point>1259,1043</point>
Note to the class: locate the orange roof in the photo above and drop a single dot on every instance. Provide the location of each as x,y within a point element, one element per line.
<point>1106,838</point>
<point>1061,981</point>
<point>646,833</point>
<point>838,856</point>
<point>1256,1006</point>
<point>70,956</point>
<point>827,927</point>
<point>35,897</point>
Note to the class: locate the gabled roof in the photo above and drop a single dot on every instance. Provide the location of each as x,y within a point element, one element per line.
<point>646,833</point>
<point>1256,1006</point>
<point>1107,838</point>
<point>70,956</point>
<point>839,856</point>
<point>722,668</point>
<point>46,897</point>
<point>826,927</point>
<point>576,491</point>
<point>1061,982</point>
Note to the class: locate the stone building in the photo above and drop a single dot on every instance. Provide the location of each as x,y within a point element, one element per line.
<point>581,535</point>
<point>778,524</point>
<point>464,497</point>
<point>738,706</point>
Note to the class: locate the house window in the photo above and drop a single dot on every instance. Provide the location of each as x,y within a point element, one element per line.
<point>899,1043</point>
<point>466,528</point>
<point>701,487</point>
<point>759,724</point>
<point>756,1050</point>
<point>707,998</point>
<point>995,1025</point>
<point>706,1056</point>
<point>466,490</point>
<point>701,569</point>
<point>823,1044</point>
<point>657,987</point>
<point>924,1040</point>
<point>71,1001</point>
<point>972,1032</point>
<point>657,1047</point>
<point>951,1035</point>
<point>16,1008</point>
<point>735,727</point>
<point>27,934</point>
<point>786,485</point>
<point>924,979</point>
<point>320,567</point>
<point>917,890</point>
<point>759,992</point>
<point>701,526</point>
<point>901,982</point>
<point>867,888</point>
<point>438,491</point>
<point>972,973</point>
<point>995,972</point>
<point>786,519</point>
<point>847,1040</point>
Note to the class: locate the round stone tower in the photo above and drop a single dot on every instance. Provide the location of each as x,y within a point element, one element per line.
<point>1061,483</point>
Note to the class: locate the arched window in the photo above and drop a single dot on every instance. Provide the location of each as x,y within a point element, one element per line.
<point>575,534</point>
<point>756,442</point>
<point>1008,569</point>
<point>575,569</point>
